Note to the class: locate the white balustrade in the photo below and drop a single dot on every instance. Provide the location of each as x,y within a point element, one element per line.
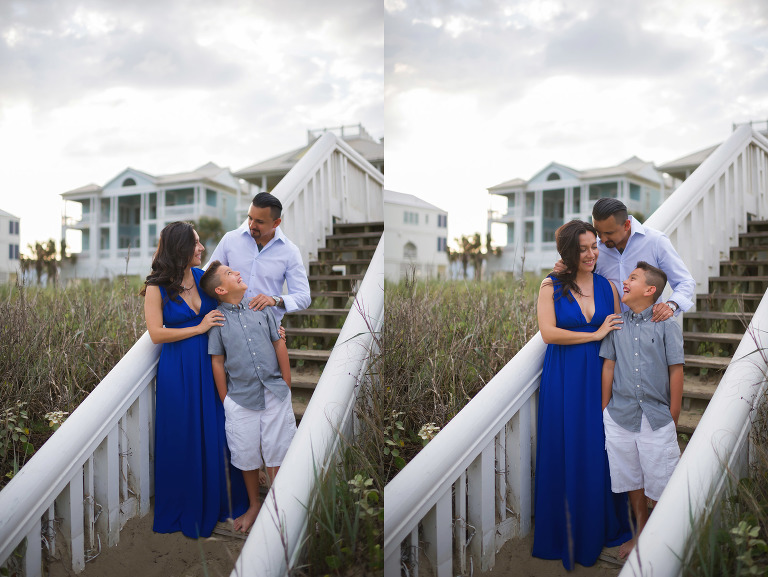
<point>703,218</point>
<point>486,448</point>
<point>330,183</point>
<point>92,475</point>
<point>275,540</point>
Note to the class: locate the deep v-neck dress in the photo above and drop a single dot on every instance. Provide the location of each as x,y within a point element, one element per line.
<point>190,443</point>
<point>575,512</point>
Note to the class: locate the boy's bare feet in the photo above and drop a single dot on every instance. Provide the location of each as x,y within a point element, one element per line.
<point>626,548</point>
<point>244,522</point>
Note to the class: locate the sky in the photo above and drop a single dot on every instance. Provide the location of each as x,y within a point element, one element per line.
<point>480,92</point>
<point>91,87</point>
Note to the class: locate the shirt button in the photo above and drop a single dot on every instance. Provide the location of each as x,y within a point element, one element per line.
<point>254,354</point>
<point>638,386</point>
<point>635,338</point>
<point>641,400</point>
<point>249,340</point>
<point>637,370</point>
<point>635,353</point>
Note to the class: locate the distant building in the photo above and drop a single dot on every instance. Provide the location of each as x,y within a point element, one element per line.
<point>9,247</point>
<point>266,174</point>
<point>415,237</point>
<point>122,219</point>
<point>557,194</point>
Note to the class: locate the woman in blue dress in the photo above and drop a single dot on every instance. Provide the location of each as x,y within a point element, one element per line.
<point>191,473</point>
<point>576,514</point>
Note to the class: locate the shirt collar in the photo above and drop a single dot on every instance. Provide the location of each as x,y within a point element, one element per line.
<point>645,314</point>
<point>637,227</point>
<point>230,307</point>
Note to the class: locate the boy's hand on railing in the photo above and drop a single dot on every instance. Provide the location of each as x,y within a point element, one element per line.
<point>213,319</point>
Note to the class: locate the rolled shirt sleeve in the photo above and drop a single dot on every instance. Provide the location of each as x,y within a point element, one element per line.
<point>681,281</point>
<point>297,298</point>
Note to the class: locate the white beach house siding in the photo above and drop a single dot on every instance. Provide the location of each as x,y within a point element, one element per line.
<point>9,246</point>
<point>416,235</point>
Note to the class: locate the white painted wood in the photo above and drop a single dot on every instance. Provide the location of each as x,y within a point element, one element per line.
<point>414,552</point>
<point>33,559</point>
<point>501,474</point>
<point>137,437</point>
<point>480,509</point>
<point>437,536</point>
<point>107,488</point>
<point>50,529</point>
<point>89,504</point>
<point>460,522</point>
<point>519,471</point>
<point>69,507</point>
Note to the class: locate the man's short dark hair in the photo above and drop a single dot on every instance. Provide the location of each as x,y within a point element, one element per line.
<point>210,279</point>
<point>653,277</point>
<point>606,207</point>
<point>267,200</point>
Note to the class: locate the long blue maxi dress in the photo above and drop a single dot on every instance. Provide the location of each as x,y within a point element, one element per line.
<point>190,444</point>
<point>575,512</point>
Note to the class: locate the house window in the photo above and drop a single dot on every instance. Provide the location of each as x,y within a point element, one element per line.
<point>152,205</point>
<point>529,232</point>
<point>442,243</point>
<point>576,204</point>
<point>410,252</point>
<point>553,176</point>
<point>511,200</point>
<point>13,251</point>
<point>105,202</point>
<point>604,190</point>
<point>104,239</point>
<point>411,217</point>
<point>152,233</point>
<point>85,242</point>
<point>180,197</point>
<point>634,191</point>
<point>86,206</point>
<point>210,197</point>
<point>10,227</point>
<point>511,233</point>
<point>129,182</point>
<point>442,220</point>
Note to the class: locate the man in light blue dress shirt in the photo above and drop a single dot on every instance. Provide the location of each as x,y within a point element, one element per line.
<point>266,259</point>
<point>624,242</point>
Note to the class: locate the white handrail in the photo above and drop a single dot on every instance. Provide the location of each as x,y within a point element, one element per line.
<point>89,438</point>
<point>419,487</point>
<point>331,183</point>
<point>716,454</point>
<point>275,540</point>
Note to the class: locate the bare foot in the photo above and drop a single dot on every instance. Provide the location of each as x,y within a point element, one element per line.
<point>626,549</point>
<point>244,522</point>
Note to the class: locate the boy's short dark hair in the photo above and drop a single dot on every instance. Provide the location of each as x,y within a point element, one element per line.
<point>268,200</point>
<point>653,277</point>
<point>606,207</point>
<point>210,279</point>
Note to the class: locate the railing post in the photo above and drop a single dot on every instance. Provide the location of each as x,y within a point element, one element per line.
<point>69,506</point>
<point>33,559</point>
<point>480,512</point>
<point>460,521</point>
<point>138,432</point>
<point>519,466</point>
<point>437,534</point>
<point>106,476</point>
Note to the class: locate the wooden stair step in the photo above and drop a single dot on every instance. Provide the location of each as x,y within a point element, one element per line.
<point>346,261</point>
<point>696,389</point>
<point>719,316</point>
<point>342,249</point>
<point>311,332</point>
<point>304,381</point>
<point>706,362</point>
<point>346,225</point>
<point>309,355</point>
<point>320,312</point>
<point>729,296</point>
<point>713,337</point>
<point>760,234</point>
<point>353,235</point>
<point>743,262</point>
<point>688,420</point>
<point>330,294</point>
<point>747,278</point>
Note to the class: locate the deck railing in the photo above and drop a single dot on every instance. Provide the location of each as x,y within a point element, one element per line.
<point>472,483</point>
<point>274,542</point>
<point>331,183</point>
<point>96,471</point>
<point>92,475</point>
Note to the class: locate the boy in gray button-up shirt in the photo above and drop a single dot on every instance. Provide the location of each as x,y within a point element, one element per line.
<point>253,378</point>
<point>642,393</point>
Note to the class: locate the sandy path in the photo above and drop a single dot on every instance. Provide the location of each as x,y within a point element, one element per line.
<point>144,553</point>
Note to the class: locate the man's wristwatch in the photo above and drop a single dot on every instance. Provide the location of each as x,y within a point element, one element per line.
<point>672,305</point>
<point>278,300</point>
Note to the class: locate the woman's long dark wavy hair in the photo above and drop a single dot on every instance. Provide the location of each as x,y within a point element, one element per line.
<point>567,240</point>
<point>174,251</point>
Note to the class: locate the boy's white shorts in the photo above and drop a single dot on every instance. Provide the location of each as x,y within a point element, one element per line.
<point>643,460</point>
<point>251,434</point>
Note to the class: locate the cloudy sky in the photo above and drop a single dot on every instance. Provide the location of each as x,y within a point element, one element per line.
<point>479,92</point>
<point>89,87</point>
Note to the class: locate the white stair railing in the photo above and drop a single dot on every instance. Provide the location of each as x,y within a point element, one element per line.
<point>92,475</point>
<point>274,542</point>
<point>97,470</point>
<point>470,487</point>
<point>703,218</point>
<point>715,458</point>
<point>331,183</point>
